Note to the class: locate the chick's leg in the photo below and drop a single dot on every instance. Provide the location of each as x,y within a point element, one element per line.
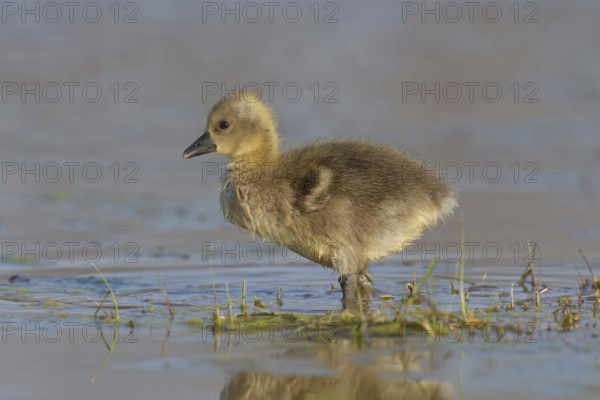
<point>356,287</point>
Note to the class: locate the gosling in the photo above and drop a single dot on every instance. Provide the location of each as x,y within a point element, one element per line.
<point>340,203</point>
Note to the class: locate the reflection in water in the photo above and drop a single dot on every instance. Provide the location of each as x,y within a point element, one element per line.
<point>351,381</point>
<point>356,383</point>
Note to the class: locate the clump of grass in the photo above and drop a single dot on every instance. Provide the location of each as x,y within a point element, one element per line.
<point>414,288</point>
<point>564,315</point>
<point>453,289</point>
<point>243,304</point>
<point>216,316</point>
<point>529,270</point>
<point>537,295</point>
<point>110,291</point>
<point>414,312</point>
<point>259,303</point>
<point>167,302</point>
<point>229,305</point>
<point>461,290</point>
<point>54,304</point>
<point>116,318</point>
<point>595,281</point>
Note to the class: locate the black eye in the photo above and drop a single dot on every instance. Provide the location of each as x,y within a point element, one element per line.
<point>223,125</point>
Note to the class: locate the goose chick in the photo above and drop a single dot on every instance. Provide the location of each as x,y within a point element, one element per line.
<point>340,203</point>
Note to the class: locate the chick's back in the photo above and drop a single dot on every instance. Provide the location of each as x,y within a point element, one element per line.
<point>368,175</point>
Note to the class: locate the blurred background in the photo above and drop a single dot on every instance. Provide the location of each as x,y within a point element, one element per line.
<point>505,97</point>
<point>99,100</point>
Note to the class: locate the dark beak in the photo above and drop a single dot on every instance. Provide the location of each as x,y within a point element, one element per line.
<point>203,145</point>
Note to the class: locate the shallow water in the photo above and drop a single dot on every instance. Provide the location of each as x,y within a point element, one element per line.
<point>150,211</point>
<point>48,311</point>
